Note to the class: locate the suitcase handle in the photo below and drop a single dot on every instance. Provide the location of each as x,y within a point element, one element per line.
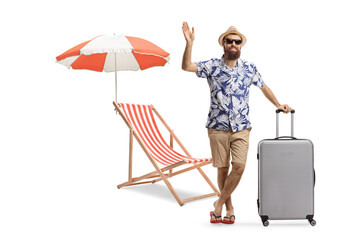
<point>277,122</point>
<point>285,137</point>
<point>279,110</point>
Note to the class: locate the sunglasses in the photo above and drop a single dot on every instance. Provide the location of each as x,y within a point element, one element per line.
<point>230,41</point>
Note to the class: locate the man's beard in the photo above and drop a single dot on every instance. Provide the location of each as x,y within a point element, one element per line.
<point>231,56</point>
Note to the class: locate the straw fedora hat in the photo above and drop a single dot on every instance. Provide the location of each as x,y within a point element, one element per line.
<point>232,30</point>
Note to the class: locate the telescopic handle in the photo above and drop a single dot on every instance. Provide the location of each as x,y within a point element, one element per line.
<point>279,110</point>
<point>277,122</point>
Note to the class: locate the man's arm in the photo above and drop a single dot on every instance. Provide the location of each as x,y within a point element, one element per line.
<point>187,65</point>
<point>271,97</point>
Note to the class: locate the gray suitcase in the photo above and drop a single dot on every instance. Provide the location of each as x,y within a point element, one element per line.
<point>286,177</point>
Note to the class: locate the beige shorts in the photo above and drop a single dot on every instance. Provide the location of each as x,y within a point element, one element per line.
<point>223,143</point>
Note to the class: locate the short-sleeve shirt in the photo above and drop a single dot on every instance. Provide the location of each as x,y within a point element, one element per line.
<point>229,90</point>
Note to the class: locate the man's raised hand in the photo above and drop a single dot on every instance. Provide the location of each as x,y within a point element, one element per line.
<point>188,34</point>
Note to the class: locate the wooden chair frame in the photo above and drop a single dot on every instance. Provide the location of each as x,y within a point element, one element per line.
<point>159,173</point>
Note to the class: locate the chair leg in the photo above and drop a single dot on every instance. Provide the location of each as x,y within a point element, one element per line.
<point>207,179</point>
<point>198,167</point>
<point>133,181</point>
<point>127,184</point>
<point>170,187</point>
<point>164,177</point>
<point>199,197</point>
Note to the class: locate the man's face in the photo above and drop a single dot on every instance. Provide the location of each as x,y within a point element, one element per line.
<point>232,49</point>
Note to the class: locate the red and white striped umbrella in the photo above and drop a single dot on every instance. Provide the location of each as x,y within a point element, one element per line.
<point>114,53</point>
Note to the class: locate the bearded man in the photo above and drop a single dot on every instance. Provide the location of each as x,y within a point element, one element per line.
<point>228,124</point>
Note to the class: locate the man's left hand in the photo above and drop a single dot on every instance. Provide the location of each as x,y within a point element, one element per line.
<point>285,108</point>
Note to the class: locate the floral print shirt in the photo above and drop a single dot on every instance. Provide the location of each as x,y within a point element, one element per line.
<point>229,90</point>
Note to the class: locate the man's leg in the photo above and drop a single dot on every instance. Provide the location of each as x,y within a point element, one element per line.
<point>239,143</point>
<point>220,151</point>
<point>222,176</point>
<point>230,184</point>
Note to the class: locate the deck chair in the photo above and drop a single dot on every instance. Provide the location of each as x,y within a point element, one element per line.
<point>141,122</point>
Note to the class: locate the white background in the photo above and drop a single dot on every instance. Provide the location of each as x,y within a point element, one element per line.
<point>63,149</point>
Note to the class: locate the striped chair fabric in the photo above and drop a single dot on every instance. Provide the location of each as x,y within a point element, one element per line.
<point>142,121</point>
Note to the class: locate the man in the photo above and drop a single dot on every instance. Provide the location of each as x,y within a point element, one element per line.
<point>228,124</point>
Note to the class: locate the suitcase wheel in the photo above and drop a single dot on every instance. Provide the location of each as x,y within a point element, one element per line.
<point>312,222</point>
<point>266,223</point>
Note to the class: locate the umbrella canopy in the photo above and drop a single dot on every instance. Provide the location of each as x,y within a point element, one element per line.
<point>114,53</point>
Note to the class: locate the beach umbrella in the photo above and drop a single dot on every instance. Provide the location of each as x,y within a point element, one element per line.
<point>114,53</point>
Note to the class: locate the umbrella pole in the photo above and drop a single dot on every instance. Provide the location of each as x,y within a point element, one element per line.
<point>115,86</point>
<point>115,80</point>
